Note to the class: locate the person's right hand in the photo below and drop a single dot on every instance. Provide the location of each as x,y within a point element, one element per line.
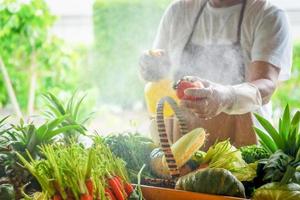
<point>154,65</point>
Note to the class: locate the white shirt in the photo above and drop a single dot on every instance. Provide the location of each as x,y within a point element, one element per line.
<point>265,32</point>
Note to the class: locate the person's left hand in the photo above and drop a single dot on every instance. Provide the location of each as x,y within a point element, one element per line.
<point>211,100</point>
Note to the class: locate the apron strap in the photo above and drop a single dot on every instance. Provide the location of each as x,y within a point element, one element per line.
<point>239,31</point>
<point>195,22</point>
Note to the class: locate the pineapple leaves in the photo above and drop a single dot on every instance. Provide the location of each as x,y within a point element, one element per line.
<point>278,140</point>
<point>287,138</point>
<point>285,123</point>
<point>266,140</point>
<point>71,111</point>
<point>296,119</point>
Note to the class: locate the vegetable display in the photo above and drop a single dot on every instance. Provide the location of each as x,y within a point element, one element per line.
<point>22,137</point>
<point>280,170</point>
<point>47,161</point>
<point>73,172</point>
<point>212,181</point>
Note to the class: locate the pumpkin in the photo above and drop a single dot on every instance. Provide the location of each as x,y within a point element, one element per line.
<point>212,181</point>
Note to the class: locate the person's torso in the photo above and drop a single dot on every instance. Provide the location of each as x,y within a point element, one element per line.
<point>216,30</point>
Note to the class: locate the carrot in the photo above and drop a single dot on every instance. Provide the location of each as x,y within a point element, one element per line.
<point>89,186</point>
<point>120,182</point>
<point>70,195</point>
<point>114,185</point>
<point>127,186</point>
<point>109,194</point>
<point>56,197</point>
<point>86,197</point>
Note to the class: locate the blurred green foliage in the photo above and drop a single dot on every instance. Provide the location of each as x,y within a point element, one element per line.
<point>26,41</point>
<point>289,91</point>
<point>123,29</point>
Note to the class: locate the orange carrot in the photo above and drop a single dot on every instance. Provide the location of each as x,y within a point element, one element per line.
<point>115,187</point>
<point>109,194</point>
<point>56,197</point>
<point>119,181</point>
<point>128,188</point>
<point>86,197</point>
<point>89,186</point>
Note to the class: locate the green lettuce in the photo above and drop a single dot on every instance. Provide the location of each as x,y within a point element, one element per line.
<point>226,156</point>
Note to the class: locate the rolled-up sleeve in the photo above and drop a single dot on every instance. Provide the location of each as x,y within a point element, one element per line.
<point>273,42</point>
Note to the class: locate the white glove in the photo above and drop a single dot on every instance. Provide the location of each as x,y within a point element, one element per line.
<point>154,65</point>
<point>216,98</point>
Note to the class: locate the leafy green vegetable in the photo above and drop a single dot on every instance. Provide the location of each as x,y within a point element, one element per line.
<point>286,138</point>
<point>253,153</point>
<point>137,193</point>
<point>65,169</point>
<point>276,166</point>
<point>280,168</point>
<point>26,137</point>
<point>224,155</point>
<point>134,149</point>
<point>7,192</point>
<point>276,191</point>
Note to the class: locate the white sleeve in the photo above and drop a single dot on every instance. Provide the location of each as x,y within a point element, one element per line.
<point>164,33</point>
<point>273,42</point>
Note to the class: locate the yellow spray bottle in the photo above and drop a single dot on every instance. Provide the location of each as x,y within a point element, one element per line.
<point>159,88</point>
<point>154,91</point>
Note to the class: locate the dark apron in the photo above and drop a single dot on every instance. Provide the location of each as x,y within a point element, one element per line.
<point>194,62</point>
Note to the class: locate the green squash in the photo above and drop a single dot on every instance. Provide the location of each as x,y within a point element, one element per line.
<point>275,191</point>
<point>156,164</point>
<point>212,181</point>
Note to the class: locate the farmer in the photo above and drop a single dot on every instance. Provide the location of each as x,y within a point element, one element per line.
<point>239,49</point>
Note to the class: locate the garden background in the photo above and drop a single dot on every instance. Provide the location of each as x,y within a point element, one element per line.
<point>93,47</point>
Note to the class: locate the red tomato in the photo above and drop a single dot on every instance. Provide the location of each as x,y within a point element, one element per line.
<point>182,85</point>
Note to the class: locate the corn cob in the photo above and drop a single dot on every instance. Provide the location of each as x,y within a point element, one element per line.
<point>187,146</point>
<point>182,150</point>
<point>169,161</point>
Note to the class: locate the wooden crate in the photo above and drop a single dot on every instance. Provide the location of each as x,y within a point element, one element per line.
<point>155,193</point>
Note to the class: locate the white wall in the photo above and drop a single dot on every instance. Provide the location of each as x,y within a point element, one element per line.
<point>75,23</point>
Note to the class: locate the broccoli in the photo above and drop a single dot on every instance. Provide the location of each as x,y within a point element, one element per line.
<point>253,153</point>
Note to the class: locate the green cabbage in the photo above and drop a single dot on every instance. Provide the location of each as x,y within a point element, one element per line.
<point>275,191</point>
